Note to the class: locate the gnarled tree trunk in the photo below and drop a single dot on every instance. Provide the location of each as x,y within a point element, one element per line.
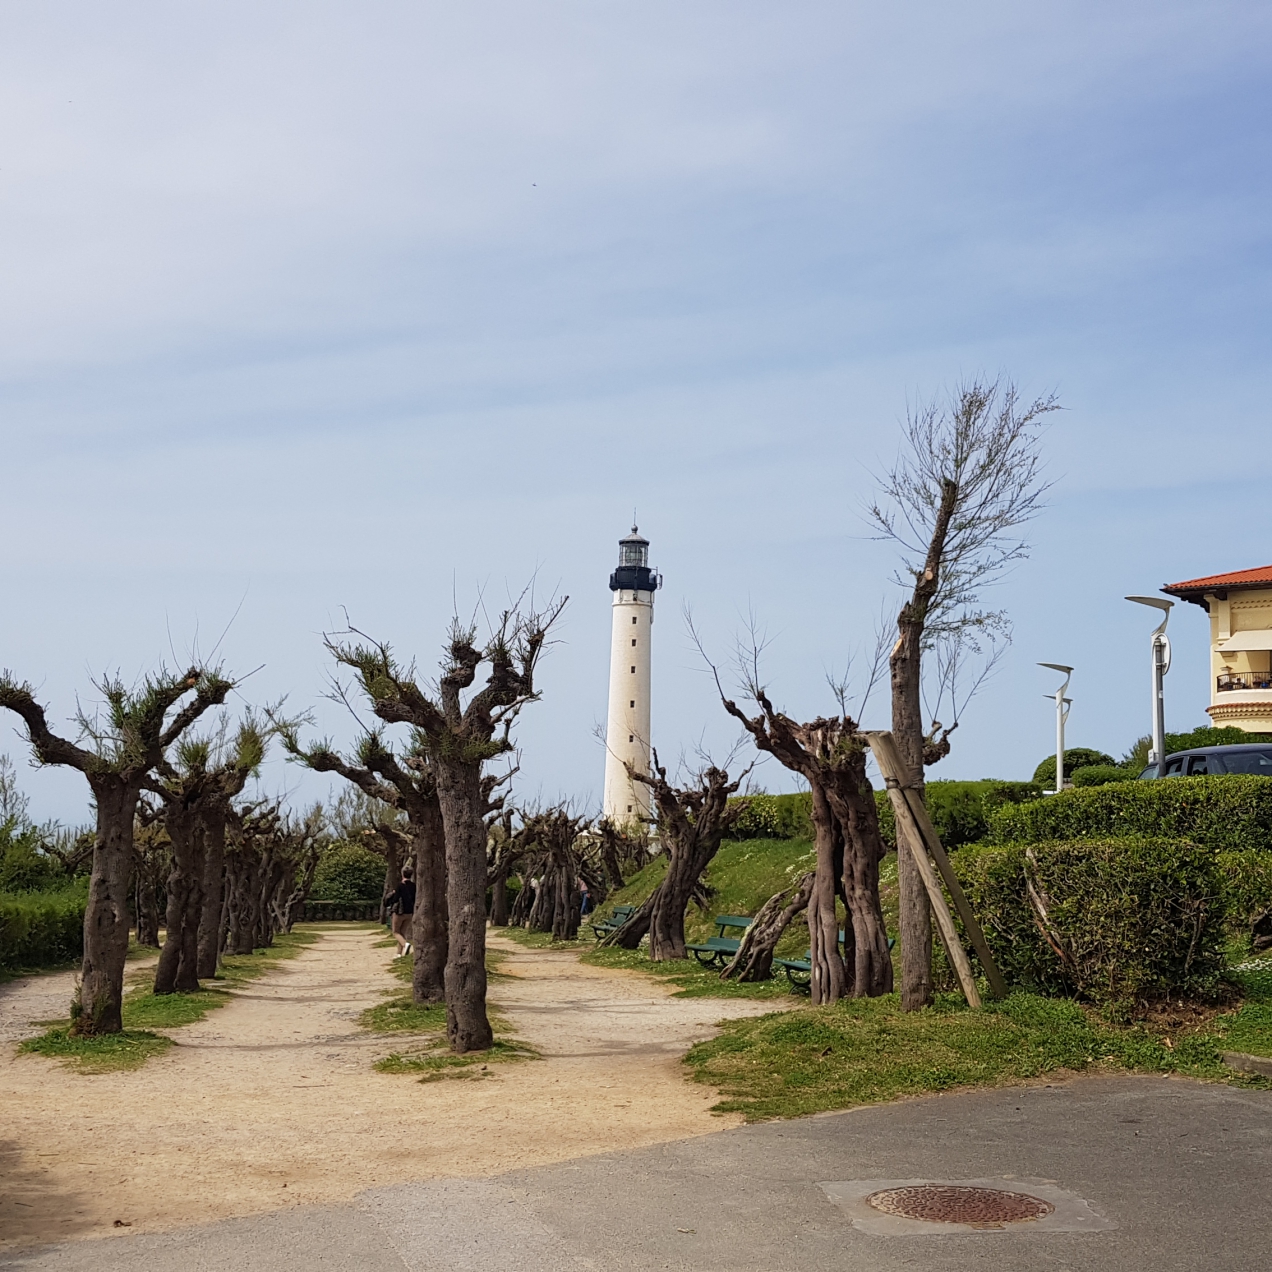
<point>463,815</point>
<point>754,959</point>
<point>177,971</point>
<point>429,928</point>
<point>99,999</point>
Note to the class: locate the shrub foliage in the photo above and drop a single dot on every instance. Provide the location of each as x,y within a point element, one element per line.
<point>1075,757</point>
<point>1225,814</point>
<point>349,874</point>
<point>1114,921</point>
<point>38,929</point>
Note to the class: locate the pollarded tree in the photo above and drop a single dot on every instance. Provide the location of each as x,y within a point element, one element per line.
<point>120,753</point>
<point>621,850</point>
<point>197,793</point>
<point>270,860</point>
<point>558,855</point>
<point>692,822</point>
<point>459,736</point>
<point>968,479</point>
<point>412,789</point>
<point>831,756</point>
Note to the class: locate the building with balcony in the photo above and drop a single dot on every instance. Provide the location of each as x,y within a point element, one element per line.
<point>1240,609</point>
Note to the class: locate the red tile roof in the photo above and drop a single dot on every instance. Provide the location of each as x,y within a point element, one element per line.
<point>1261,576</point>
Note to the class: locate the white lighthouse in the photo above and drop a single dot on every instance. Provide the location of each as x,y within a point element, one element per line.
<point>627,732</point>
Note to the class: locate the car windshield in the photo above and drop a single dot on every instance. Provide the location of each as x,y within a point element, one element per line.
<point>1259,762</point>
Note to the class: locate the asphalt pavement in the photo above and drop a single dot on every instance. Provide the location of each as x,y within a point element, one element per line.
<point>1146,1173</point>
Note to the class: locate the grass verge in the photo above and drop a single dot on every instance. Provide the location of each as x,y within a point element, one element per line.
<point>692,979</point>
<point>108,1054</point>
<point>865,1051</point>
<point>426,1023</point>
<point>144,1011</point>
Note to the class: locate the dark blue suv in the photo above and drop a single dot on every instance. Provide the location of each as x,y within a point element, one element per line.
<point>1243,757</point>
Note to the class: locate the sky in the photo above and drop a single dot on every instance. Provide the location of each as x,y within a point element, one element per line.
<point>318,314</point>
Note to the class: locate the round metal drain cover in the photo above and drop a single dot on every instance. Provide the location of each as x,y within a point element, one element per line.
<point>960,1203</point>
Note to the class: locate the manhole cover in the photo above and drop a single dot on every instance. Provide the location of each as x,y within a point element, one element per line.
<point>960,1203</point>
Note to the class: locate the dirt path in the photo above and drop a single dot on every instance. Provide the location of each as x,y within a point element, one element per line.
<point>272,1101</point>
<point>29,999</point>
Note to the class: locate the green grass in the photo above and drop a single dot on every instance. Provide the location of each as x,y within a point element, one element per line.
<point>864,1051</point>
<point>401,1014</point>
<point>693,980</point>
<point>436,1064</point>
<point>744,873</point>
<point>108,1054</point>
<point>426,1024</point>
<point>144,1010</point>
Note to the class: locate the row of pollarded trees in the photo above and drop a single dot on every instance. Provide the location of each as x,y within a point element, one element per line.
<point>236,874</point>
<point>437,778</point>
<point>170,836</point>
<point>955,502</point>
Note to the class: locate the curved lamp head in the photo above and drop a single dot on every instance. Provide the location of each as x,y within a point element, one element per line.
<point>1157,603</point>
<point>1068,673</point>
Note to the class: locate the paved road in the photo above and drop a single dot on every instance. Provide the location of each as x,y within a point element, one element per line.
<point>1181,1169</point>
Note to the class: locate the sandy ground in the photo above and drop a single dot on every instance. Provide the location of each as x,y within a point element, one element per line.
<point>272,1100</point>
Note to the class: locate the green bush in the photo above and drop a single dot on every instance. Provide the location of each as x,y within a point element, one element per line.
<point>758,817</point>
<point>1210,736</point>
<point>1128,920</point>
<point>349,874</point>
<point>774,816</point>
<point>38,929</point>
<point>23,867</point>
<point>1226,814</point>
<point>959,810</point>
<point>1074,758</point>
<point>1247,880</point>
<point>1101,774</point>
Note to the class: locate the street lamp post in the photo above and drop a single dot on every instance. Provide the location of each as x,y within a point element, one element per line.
<point>1062,714</point>
<point>1160,643</point>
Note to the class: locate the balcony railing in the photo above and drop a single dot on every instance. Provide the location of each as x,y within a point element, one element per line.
<point>1234,680</point>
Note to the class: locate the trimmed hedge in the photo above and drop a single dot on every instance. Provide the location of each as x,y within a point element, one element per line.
<point>1224,814</point>
<point>1075,757</point>
<point>773,816</point>
<point>1128,920</point>
<point>1247,880</point>
<point>39,929</point>
<point>348,874</point>
<point>960,811</point>
<point>1102,775</point>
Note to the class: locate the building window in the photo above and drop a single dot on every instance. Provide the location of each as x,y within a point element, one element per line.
<point>629,808</point>
<point>633,624</point>
<point>632,703</point>
<point>631,737</point>
<point>633,642</point>
<point>633,671</point>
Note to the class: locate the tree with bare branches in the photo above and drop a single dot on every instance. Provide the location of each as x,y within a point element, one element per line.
<point>830,754</point>
<point>120,753</point>
<point>968,479</point>
<point>459,736</point>
<point>197,793</point>
<point>692,822</point>
<point>408,785</point>
<point>623,850</point>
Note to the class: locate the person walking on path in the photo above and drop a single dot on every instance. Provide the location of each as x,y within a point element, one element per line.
<point>402,902</point>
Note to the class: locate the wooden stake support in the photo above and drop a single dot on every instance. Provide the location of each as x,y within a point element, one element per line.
<point>915,827</point>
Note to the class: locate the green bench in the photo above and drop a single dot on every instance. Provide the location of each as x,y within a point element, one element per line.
<point>720,948</point>
<point>795,968</point>
<point>619,916</point>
